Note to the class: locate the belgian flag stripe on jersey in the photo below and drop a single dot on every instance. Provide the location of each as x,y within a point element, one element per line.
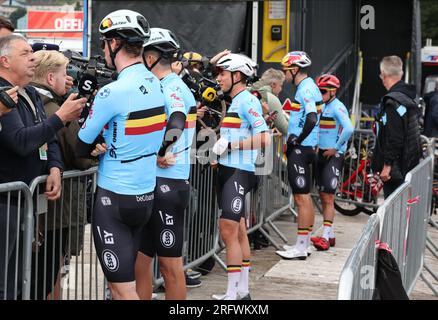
<point>293,106</point>
<point>327,123</point>
<point>145,121</point>
<point>191,118</point>
<point>232,120</point>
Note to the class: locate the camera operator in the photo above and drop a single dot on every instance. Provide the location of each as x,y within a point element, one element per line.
<point>29,146</point>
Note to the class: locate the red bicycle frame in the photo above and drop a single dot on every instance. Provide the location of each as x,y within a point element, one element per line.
<point>369,179</point>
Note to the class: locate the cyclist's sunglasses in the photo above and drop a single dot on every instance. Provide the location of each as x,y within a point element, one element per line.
<point>325,90</point>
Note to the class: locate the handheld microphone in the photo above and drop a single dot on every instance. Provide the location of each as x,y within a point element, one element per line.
<point>209,94</point>
<point>37,46</point>
<point>87,84</point>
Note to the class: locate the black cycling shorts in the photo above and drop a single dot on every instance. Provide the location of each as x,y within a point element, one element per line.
<point>299,161</point>
<point>328,172</point>
<point>164,233</point>
<point>117,224</point>
<point>234,184</point>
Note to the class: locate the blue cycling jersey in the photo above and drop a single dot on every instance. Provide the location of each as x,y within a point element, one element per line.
<point>130,111</point>
<point>243,120</point>
<point>178,97</point>
<point>308,99</point>
<point>335,127</point>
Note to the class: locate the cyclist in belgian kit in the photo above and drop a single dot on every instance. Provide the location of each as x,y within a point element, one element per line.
<point>243,130</point>
<point>335,129</point>
<point>130,111</point>
<point>301,145</point>
<point>163,235</point>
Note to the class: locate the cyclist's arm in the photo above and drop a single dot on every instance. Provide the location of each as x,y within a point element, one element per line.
<point>103,110</point>
<point>311,116</point>
<point>309,125</point>
<point>341,115</point>
<point>174,129</point>
<point>176,109</point>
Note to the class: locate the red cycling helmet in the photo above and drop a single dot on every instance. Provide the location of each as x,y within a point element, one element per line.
<point>328,81</point>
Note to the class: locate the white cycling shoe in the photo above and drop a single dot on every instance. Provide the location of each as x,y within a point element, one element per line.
<point>309,249</point>
<point>292,254</point>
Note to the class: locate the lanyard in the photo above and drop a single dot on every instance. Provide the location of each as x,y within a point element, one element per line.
<point>31,105</point>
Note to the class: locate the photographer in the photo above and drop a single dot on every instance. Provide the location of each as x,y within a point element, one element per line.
<point>49,81</point>
<point>29,146</point>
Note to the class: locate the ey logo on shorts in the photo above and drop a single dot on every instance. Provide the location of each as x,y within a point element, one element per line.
<point>110,260</point>
<point>236,205</point>
<point>167,238</point>
<point>301,182</point>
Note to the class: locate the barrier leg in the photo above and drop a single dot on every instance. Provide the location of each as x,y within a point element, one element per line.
<point>277,231</point>
<point>429,284</point>
<point>220,261</point>
<point>272,241</point>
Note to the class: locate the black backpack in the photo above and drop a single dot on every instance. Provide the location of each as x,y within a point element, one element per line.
<point>389,284</point>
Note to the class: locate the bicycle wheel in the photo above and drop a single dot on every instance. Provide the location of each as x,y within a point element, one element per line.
<point>348,209</point>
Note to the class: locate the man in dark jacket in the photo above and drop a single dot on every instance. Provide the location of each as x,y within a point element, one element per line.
<point>28,146</point>
<point>431,114</point>
<point>397,148</point>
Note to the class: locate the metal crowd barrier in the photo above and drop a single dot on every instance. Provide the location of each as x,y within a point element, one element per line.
<point>278,193</point>
<point>15,244</point>
<point>61,262</point>
<point>403,221</point>
<point>420,179</point>
<point>201,219</point>
<point>64,262</point>
<point>357,278</point>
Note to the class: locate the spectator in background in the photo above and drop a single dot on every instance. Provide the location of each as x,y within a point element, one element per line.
<point>269,86</point>
<point>29,147</point>
<point>6,27</point>
<point>68,214</point>
<point>397,149</point>
<point>431,114</point>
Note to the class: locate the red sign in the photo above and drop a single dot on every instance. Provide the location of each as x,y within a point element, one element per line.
<point>55,21</point>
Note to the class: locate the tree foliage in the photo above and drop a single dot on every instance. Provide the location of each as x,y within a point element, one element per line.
<point>429,20</point>
<point>17,14</point>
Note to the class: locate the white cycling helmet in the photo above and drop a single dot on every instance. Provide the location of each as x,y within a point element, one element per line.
<point>164,41</point>
<point>297,58</point>
<point>127,25</point>
<point>234,62</point>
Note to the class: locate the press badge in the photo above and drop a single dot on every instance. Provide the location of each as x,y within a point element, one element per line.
<point>43,152</point>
